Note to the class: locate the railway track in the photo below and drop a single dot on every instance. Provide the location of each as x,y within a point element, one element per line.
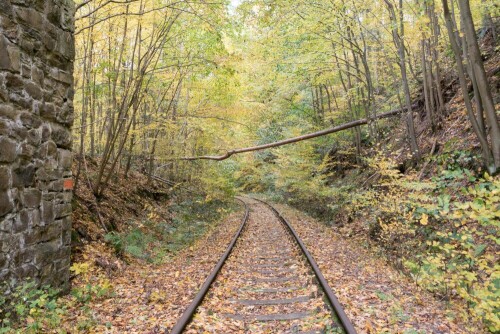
<point>265,282</point>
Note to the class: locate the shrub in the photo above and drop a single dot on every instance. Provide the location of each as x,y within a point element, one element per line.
<point>30,309</point>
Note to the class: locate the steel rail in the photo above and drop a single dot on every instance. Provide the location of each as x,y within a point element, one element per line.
<point>189,312</point>
<point>337,307</point>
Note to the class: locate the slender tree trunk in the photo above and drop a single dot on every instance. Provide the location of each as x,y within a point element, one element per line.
<point>435,59</point>
<point>481,81</point>
<point>398,41</point>
<point>487,154</point>
<point>87,68</point>
<point>477,96</point>
<point>425,80</point>
<point>92,116</point>
<point>131,147</point>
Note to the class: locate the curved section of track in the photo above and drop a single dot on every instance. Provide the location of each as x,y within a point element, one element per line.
<point>266,282</point>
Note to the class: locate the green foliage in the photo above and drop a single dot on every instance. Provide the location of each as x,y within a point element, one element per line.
<point>155,242</point>
<point>443,233</point>
<point>93,287</point>
<point>192,220</point>
<point>30,309</point>
<point>90,292</point>
<point>133,242</point>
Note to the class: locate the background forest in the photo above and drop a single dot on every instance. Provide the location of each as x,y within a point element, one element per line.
<point>415,180</point>
<point>158,81</point>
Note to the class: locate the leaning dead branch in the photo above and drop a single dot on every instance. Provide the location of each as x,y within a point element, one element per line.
<point>324,132</point>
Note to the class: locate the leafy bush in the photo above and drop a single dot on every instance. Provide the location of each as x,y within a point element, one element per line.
<point>30,309</point>
<point>93,287</point>
<point>443,233</point>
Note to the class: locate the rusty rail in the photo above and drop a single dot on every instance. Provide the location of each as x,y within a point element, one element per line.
<point>337,307</point>
<point>189,312</point>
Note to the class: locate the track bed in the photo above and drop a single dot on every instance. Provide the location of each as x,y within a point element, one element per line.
<point>266,285</point>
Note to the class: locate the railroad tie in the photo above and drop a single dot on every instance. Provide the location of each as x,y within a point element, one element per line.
<point>265,283</point>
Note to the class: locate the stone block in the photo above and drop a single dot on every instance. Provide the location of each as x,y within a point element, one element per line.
<point>22,221</point>
<point>6,204</point>
<point>47,150</point>
<point>33,89</point>
<point>29,120</point>
<point>4,261</point>
<point>31,198</point>
<point>14,195</point>
<point>17,98</point>
<point>56,186</point>
<point>26,68</point>
<point>66,114</point>
<point>45,251</point>
<point>37,75</point>
<point>53,12</point>
<point>10,55</point>
<point>61,136</point>
<point>46,132</point>
<point>23,176</point>
<point>6,242</point>
<point>6,228</point>
<point>66,223</point>
<point>51,148</point>
<point>34,137</point>
<point>63,210</point>
<point>5,127</point>
<point>6,8</point>
<point>29,17</point>
<point>5,178</point>
<point>47,273</point>
<point>35,218</point>
<point>48,111</point>
<point>62,76</point>
<point>8,25</point>
<point>65,158</point>
<point>66,237</point>
<point>49,42</point>
<point>26,151</point>
<point>67,196</point>
<point>66,48</point>
<point>23,256</point>
<point>25,271</point>
<point>42,234</point>
<point>48,214</point>
<point>19,132</point>
<point>8,149</point>
<point>14,82</point>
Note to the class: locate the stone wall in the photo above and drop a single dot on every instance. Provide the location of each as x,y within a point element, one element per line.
<point>36,113</point>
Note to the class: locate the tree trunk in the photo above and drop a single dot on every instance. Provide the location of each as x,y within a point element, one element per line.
<point>487,154</point>
<point>398,41</point>
<point>482,82</point>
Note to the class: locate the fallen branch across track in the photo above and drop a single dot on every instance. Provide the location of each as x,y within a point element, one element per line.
<point>324,132</point>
